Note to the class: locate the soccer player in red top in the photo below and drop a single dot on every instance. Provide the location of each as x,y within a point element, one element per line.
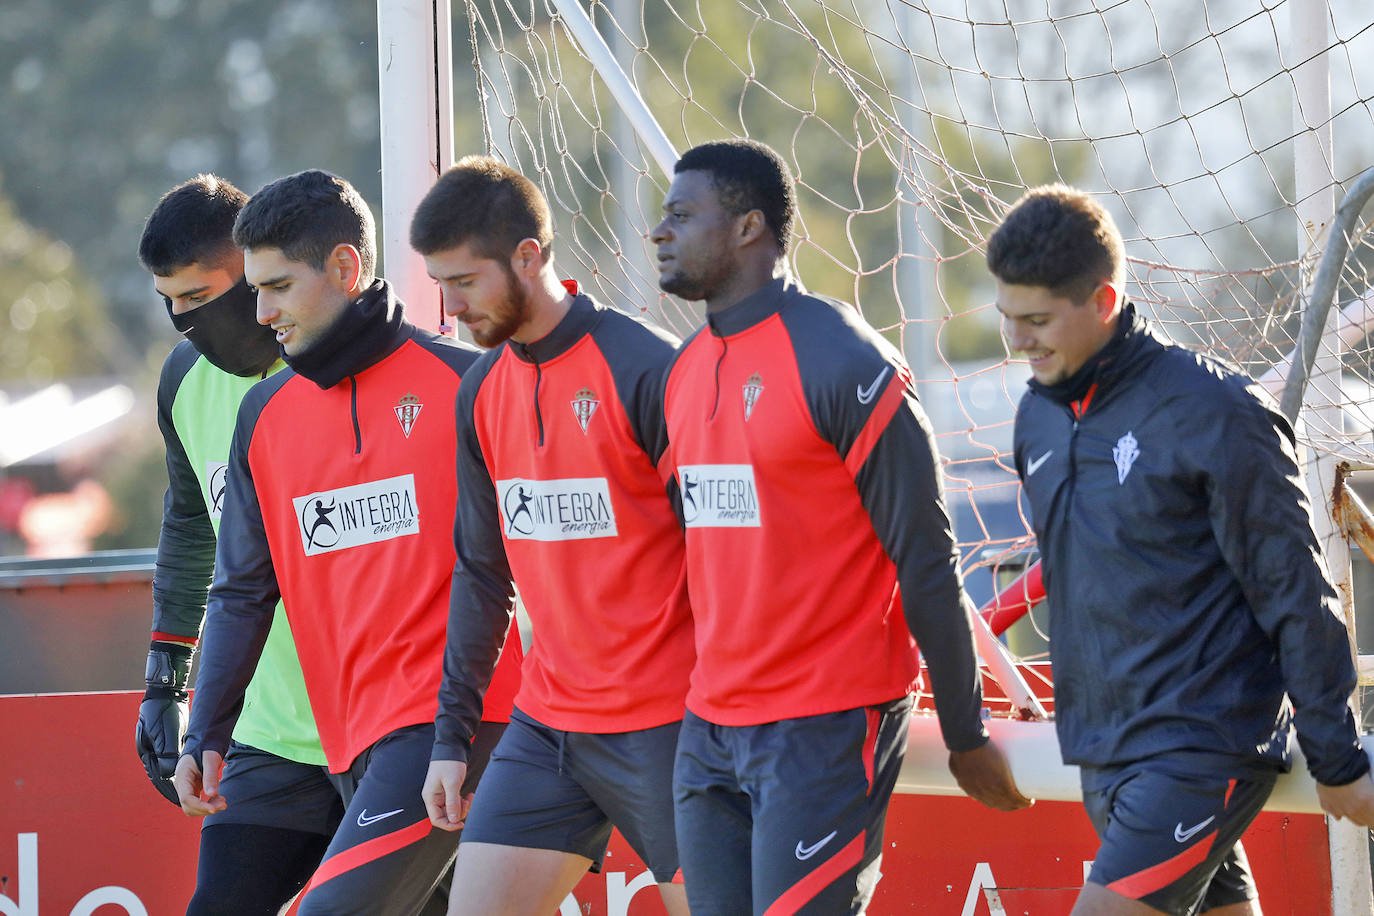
<point>339,496</point>
<point>562,492</point>
<point>818,544</point>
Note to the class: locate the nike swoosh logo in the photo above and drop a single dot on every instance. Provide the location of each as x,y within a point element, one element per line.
<point>364,820</point>
<point>866,394</point>
<point>1036,462</point>
<point>806,852</point>
<point>1184,836</point>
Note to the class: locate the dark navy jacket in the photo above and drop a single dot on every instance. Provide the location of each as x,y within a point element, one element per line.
<point>1186,586</point>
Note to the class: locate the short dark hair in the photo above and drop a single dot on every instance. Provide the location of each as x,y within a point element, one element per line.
<point>748,175</point>
<point>307,215</point>
<point>485,202</point>
<point>1059,238</point>
<point>192,224</point>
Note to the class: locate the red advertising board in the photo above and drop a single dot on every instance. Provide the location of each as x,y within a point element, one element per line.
<point>82,834</point>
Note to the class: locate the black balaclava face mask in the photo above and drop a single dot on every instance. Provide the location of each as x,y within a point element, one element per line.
<point>226,331</point>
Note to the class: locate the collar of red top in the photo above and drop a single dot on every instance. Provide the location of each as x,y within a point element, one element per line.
<point>763,303</point>
<point>582,316</point>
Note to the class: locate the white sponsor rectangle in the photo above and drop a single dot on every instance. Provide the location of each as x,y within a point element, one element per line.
<point>566,509</point>
<point>365,513</point>
<point>719,495</point>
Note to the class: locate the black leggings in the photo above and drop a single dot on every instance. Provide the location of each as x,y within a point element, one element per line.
<point>247,870</point>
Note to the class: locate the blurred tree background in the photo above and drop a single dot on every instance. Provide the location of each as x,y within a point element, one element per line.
<point>109,105</point>
<point>106,107</point>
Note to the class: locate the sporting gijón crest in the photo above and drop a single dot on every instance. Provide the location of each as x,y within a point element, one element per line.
<point>753,387</point>
<point>584,404</point>
<point>407,409</point>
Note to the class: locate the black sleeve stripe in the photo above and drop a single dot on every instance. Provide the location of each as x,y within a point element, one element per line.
<point>638,357</point>
<point>457,354</point>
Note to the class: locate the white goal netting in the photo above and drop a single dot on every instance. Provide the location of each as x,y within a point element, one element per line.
<point>912,126</point>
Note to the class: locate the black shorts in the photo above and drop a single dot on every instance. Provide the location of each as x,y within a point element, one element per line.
<point>265,790</point>
<point>1170,837</point>
<point>787,815</point>
<point>551,789</point>
<point>386,858</point>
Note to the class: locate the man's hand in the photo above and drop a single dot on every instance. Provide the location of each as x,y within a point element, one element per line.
<point>163,714</point>
<point>984,775</point>
<point>447,806</point>
<point>197,792</point>
<point>1354,800</point>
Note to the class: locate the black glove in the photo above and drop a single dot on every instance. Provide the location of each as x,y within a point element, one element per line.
<point>163,714</point>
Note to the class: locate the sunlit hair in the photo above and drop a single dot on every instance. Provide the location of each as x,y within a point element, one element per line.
<point>192,224</point>
<point>484,202</point>
<point>1059,238</point>
<point>307,215</point>
<point>748,175</point>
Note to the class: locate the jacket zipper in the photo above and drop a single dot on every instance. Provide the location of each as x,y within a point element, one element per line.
<point>1076,410</point>
<point>353,409</point>
<point>1073,460</point>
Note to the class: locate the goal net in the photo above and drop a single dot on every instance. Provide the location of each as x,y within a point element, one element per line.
<point>911,125</point>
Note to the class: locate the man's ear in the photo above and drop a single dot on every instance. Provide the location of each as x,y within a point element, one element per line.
<point>752,227</point>
<point>1107,302</point>
<point>345,268</point>
<point>527,258</point>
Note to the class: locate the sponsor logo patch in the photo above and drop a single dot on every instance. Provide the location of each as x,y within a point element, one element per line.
<point>365,513</point>
<point>567,509</point>
<point>719,496</point>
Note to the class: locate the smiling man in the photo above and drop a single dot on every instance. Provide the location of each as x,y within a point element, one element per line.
<point>340,500</point>
<point>1187,590</point>
<point>255,855</point>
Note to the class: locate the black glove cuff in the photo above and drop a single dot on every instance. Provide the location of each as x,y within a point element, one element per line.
<point>169,669</point>
<point>165,693</point>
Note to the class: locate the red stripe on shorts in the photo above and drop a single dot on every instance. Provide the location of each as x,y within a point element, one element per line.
<point>1151,879</point>
<point>796,896</point>
<point>363,853</point>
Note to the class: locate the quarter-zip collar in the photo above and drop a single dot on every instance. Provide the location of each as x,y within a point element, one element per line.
<point>752,309</point>
<point>369,329</point>
<point>1133,338</point>
<point>582,316</point>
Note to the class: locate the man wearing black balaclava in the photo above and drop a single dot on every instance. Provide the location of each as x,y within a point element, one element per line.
<point>258,853</point>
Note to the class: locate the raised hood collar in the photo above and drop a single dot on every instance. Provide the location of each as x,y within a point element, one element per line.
<point>369,329</point>
<point>1133,335</point>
